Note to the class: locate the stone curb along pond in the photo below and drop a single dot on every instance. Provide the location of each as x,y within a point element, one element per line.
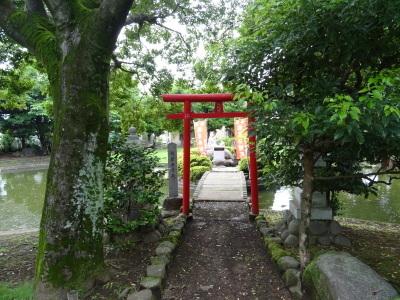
<point>330,276</point>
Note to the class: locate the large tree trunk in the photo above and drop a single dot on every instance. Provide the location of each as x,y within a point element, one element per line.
<point>306,203</point>
<point>74,40</point>
<point>70,250</point>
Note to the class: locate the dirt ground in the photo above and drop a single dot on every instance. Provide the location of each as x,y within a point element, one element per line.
<point>17,257</point>
<point>126,264</point>
<point>222,257</point>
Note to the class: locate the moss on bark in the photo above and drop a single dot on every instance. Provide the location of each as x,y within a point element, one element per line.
<point>71,250</point>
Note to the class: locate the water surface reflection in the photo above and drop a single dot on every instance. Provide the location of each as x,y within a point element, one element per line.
<point>21,199</point>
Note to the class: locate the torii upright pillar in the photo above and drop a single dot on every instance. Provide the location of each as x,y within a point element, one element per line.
<point>187,116</point>
<point>187,107</point>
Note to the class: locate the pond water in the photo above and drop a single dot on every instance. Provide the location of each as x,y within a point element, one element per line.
<point>21,199</point>
<point>22,194</point>
<point>384,207</point>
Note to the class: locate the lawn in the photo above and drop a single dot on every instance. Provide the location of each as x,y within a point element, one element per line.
<point>162,154</point>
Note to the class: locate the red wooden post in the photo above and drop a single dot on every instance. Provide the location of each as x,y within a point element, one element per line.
<point>253,169</point>
<point>187,107</point>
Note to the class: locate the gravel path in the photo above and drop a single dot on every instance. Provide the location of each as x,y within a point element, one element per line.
<point>222,257</point>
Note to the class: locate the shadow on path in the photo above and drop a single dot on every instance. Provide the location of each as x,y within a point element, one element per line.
<point>222,257</point>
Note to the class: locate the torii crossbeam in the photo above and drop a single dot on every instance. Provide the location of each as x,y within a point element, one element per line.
<point>187,116</point>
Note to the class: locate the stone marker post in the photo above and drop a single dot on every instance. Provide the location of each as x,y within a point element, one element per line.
<point>323,228</point>
<point>172,170</point>
<point>174,200</point>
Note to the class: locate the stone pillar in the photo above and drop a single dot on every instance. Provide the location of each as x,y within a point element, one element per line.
<point>172,170</point>
<point>323,229</point>
<point>320,209</point>
<point>174,200</point>
<point>219,156</point>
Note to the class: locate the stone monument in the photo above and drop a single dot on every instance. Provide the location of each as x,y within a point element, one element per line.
<point>320,209</point>
<point>133,138</point>
<point>324,229</point>
<point>174,200</point>
<point>172,171</point>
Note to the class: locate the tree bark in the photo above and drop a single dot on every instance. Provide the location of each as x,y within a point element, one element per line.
<point>43,133</point>
<point>70,249</point>
<point>75,44</point>
<point>306,203</point>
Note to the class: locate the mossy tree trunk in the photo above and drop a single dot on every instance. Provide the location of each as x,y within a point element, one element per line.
<point>306,204</point>
<point>74,40</point>
<point>71,249</point>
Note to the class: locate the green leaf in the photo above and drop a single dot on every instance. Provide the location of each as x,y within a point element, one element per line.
<point>339,134</point>
<point>354,113</point>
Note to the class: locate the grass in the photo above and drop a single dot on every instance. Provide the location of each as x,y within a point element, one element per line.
<point>23,291</point>
<point>162,154</point>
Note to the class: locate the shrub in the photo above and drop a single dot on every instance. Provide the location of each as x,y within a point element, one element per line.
<point>244,165</point>
<point>203,161</point>
<point>6,141</point>
<point>197,171</point>
<point>195,152</point>
<point>132,188</point>
<point>199,164</point>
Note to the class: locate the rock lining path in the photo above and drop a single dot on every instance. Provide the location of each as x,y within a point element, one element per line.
<point>222,255</point>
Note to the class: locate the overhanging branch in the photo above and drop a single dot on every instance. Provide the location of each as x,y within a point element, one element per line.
<point>7,9</point>
<point>61,11</point>
<point>363,176</point>
<point>36,6</point>
<point>111,18</point>
<point>141,18</point>
<point>180,35</point>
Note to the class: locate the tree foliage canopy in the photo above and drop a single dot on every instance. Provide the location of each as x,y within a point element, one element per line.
<point>324,77</point>
<point>25,107</point>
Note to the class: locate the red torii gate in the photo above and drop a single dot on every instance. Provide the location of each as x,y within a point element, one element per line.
<point>187,115</point>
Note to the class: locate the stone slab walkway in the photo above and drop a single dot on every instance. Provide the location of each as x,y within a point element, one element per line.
<point>221,184</point>
<point>222,257</point>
